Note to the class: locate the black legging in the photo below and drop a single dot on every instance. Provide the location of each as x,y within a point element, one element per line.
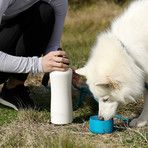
<point>27,35</point>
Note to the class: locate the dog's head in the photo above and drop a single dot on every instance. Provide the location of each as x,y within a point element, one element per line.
<point>112,77</point>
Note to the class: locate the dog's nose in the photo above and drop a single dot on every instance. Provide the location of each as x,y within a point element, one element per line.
<point>101,118</point>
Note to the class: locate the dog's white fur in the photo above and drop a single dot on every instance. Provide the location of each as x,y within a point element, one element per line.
<point>118,66</point>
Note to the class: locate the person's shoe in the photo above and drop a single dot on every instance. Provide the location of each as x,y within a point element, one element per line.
<point>16,98</point>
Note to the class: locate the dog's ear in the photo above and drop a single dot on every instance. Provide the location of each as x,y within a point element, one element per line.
<point>81,71</point>
<point>113,83</point>
<point>102,84</point>
<point>108,82</point>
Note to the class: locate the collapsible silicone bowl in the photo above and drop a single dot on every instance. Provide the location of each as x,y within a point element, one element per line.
<point>100,127</point>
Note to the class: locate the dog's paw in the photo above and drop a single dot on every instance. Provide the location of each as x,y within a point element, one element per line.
<point>138,123</point>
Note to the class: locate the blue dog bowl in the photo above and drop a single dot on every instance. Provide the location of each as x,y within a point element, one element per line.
<point>100,127</point>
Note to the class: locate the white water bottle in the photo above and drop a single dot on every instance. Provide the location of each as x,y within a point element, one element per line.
<point>61,97</point>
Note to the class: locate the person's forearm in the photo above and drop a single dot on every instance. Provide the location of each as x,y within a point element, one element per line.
<point>15,64</point>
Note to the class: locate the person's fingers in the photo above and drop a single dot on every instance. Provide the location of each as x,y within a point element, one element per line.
<point>54,65</point>
<point>76,81</point>
<point>58,53</point>
<point>52,61</point>
<point>59,65</point>
<point>53,56</point>
<point>75,78</point>
<point>61,60</point>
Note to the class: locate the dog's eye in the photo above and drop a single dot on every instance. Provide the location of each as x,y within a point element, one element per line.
<point>105,100</point>
<point>106,86</point>
<point>103,85</point>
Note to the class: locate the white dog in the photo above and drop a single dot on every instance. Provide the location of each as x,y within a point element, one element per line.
<point>118,66</point>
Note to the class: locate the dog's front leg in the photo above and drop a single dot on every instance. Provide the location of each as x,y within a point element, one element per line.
<point>143,118</point>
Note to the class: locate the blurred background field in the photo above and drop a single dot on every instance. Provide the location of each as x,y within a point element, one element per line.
<point>31,128</point>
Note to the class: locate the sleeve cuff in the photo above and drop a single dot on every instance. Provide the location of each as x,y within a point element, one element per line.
<point>51,48</point>
<point>40,65</point>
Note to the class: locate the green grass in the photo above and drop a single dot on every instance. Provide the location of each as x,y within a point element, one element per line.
<point>7,115</point>
<point>33,128</point>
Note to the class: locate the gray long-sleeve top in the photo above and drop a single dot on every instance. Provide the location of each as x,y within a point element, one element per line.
<point>11,8</point>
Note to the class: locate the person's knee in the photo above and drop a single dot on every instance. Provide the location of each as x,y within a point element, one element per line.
<point>47,14</point>
<point>4,77</point>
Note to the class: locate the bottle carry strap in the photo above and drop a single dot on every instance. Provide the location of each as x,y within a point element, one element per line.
<point>45,79</point>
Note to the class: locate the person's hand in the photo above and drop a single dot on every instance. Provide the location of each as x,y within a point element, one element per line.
<point>51,61</point>
<point>76,78</point>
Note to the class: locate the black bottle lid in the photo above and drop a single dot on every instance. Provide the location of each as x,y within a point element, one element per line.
<point>60,49</point>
